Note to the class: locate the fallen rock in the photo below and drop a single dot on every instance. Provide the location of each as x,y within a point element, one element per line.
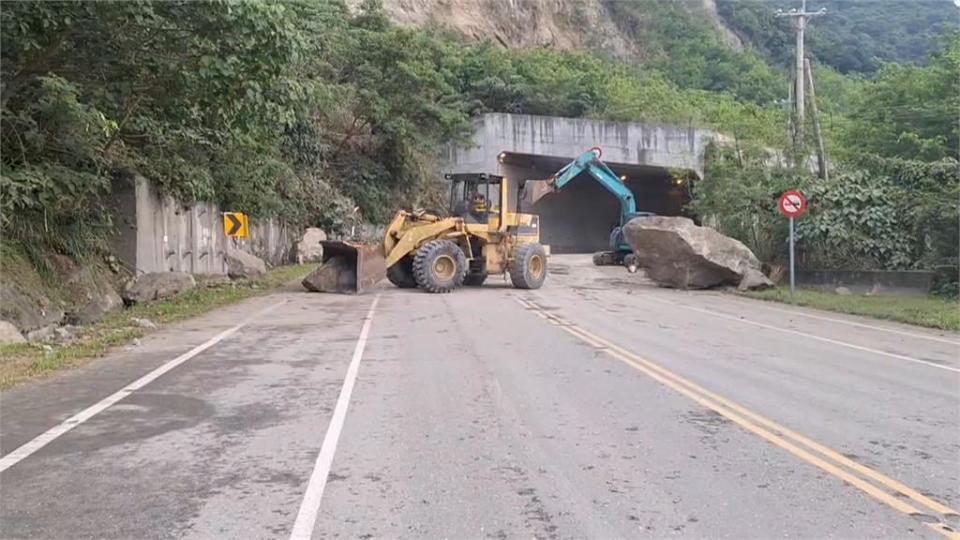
<point>10,334</point>
<point>65,334</point>
<point>96,308</point>
<point>241,264</point>
<point>47,333</point>
<point>309,248</point>
<point>675,252</point>
<point>842,291</point>
<point>143,323</point>
<point>754,280</point>
<point>27,308</point>
<point>157,286</point>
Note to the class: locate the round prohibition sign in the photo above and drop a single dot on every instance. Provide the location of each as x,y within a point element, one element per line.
<point>792,203</point>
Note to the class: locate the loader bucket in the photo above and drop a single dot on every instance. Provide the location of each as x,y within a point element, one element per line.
<point>347,268</point>
<point>534,190</point>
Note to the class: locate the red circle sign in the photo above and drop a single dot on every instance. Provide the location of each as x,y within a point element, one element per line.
<point>792,203</point>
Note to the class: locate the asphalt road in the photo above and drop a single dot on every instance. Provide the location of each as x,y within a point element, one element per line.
<point>595,407</point>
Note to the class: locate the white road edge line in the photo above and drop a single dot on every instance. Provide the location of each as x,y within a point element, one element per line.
<point>762,303</point>
<point>57,431</point>
<point>307,515</point>
<point>810,336</point>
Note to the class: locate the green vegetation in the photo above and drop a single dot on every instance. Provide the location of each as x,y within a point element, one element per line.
<point>855,36</point>
<point>687,48</point>
<point>922,311</point>
<point>19,362</point>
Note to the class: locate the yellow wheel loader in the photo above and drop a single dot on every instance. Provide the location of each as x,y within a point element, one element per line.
<point>481,235</point>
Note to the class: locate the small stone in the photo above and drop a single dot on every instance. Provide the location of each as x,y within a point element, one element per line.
<point>842,291</point>
<point>143,323</point>
<point>41,334</point>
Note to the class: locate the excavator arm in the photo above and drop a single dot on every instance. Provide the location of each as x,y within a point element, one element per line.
<point>590,162</point>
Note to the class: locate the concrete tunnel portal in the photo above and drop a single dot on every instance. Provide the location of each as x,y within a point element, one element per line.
<point>579,218</point>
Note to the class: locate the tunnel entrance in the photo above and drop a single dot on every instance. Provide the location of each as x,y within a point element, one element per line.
<point>579,218</point>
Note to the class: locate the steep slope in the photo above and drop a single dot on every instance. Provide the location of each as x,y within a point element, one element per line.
<point>563,24</point>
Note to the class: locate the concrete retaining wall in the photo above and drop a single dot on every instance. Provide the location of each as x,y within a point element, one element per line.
<point>868,281</point>
<point>159,234</point>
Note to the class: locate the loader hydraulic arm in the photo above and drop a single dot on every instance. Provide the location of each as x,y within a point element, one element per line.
<point>590,162</point>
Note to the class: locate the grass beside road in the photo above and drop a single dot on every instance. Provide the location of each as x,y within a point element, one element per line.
<point>922,310</point>
<point>24,361</point>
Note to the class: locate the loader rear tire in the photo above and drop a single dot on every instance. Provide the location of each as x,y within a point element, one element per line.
<point>439,266</point>
<point>529,268</point>
<point>401,274</point>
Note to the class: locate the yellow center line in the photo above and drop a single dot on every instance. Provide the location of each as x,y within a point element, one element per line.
<point>767,429</point>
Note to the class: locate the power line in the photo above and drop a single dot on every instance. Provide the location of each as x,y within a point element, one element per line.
<point>800,23</point>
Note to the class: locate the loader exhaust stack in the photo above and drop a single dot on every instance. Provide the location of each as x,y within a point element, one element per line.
<point>347,268</point>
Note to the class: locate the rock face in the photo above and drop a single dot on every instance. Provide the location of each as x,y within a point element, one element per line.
<point>10,334</point>
<point>241,264</point>
<point>308,248</point>
<point>156,286</point>
<point>677,253</point>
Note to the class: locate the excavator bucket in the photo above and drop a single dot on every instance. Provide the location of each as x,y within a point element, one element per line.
<point>347,268</point>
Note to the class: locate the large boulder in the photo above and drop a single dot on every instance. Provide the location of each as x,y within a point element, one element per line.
<point>10,334</point>
<point>99,304</point>
<point>26,306</point>
<point>241,264</point>
<point>157,286</point>
<point>92,295</point>
<point>309,248</point>
<point>675,252</point>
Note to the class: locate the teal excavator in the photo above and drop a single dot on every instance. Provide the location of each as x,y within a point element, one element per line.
<point>620,251</point>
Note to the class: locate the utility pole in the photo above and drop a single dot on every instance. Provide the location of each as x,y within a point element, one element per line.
<point>821,154</point>
<point>800,23</point>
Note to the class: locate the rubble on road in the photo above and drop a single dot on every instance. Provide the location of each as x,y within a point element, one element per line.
<point>675,252</point>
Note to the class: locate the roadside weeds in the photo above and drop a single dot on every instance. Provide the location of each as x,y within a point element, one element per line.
<point>924,311</point>
<point>24,361</point>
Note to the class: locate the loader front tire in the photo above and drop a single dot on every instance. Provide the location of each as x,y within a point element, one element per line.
<point>401,274</point>
<point>529,268</point>
<point>439,266</point>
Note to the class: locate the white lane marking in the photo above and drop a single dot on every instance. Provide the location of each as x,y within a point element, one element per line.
<point>307,515</point>
<point>55,432</point>
<point>809,336</point>
<point>763,304</point>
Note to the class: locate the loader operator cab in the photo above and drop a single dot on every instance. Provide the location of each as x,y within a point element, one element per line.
<point>474,196</point>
